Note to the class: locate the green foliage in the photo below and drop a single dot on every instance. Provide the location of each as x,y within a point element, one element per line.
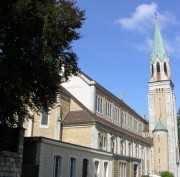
<point>35,54</point>
<point>178,126</point>
<point>145,176</point>
<point>166,174</point>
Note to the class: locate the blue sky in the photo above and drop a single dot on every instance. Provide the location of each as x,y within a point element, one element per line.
<point>116,45</point>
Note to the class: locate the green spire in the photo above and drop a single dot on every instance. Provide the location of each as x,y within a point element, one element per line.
<point>160,127</point>
<point>158,49</point>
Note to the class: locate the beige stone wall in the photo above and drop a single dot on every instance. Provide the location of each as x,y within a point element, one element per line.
<point>74,106</point>
<point>160,152</point>
<point>116,166</point>
<point>77,135</point>
<point>160,106</point>
<point>46,131</point>
<point>65,106</point>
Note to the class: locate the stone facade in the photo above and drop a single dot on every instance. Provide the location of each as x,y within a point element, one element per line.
<point>74,135</point>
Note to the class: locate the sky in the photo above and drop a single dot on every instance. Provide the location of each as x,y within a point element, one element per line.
<point>116,45</point>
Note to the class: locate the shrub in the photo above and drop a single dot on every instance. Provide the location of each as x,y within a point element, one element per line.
<point>166,174</point>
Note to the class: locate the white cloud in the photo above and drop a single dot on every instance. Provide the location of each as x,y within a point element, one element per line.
<point>142,21</point>
<point>145,46</point>
<point>143,18</point>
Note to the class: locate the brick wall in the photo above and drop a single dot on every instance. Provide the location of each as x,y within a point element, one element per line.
<point>11,162</point>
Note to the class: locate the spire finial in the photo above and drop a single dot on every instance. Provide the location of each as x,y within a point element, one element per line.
<point>155,15</point>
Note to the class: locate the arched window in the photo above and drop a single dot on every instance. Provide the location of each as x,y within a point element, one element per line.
<point>165,68</point>
<point>158,71</point>
<point>97,169</point>
<point>152,70</point>
<point>72,167</point>
<point>105,169</point>
<point>85,168</point>
<point>57,166</point>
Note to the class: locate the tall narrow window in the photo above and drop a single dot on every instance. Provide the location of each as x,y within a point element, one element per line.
<point>44,118</point>
<point>57,166</point>
<point>97,171</point>
<point>136,150</point>
<point>165,68</point>
<point>152,70</point>
<point>122,118</point>
<point>122,146</point>
<point>105,169</point>
<point>122,169</point>
<point>108,110</point>
<point>135,170</point>
<point>99,104</point>
<point>85,168</point>
<point>72,167</point>
<point>130,149</point>
<point>158,71</point>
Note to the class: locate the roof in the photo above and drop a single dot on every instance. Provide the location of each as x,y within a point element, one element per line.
<point>160,127</point>
<point>110,95</point>
<point>158,50</point>
<point>85,117</point>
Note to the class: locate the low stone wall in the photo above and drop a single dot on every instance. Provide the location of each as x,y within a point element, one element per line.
<point>11,162</point>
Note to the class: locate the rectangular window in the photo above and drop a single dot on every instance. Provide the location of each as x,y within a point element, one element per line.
<point>116,114</point>
<point>99,104</point>
<point>130,122</point>
<point>135,125</point>
<point>108,109</point>
<point>57,166</point>
<point>140,128</point>
<point>72,167</point>
<point>44,118</point>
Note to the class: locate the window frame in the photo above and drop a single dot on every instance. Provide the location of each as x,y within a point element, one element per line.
<point>48,117</point>
<point>75,166</point>
<point>60,172</point>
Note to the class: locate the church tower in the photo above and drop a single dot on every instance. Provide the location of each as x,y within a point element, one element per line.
<point>162,110</point>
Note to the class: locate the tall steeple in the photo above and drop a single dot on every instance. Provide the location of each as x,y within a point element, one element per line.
<point>162,110</point>
<point>160,69</point>
<point>158,50</point>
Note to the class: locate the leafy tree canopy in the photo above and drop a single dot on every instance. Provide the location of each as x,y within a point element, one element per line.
<point>35,54</point>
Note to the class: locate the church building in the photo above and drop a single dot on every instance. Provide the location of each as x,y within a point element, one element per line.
<point>91,132</point>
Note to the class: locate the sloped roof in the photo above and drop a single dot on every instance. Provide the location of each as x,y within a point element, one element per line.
<point>84,117</point>
<point>160,127</point>
<point>111,96</point>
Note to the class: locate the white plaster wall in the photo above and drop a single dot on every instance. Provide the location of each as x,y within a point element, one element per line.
<point>83,89</point>
<point>67,151</point>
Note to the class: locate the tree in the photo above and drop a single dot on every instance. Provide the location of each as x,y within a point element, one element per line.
<point>35,54</point>
<point>178,126</point>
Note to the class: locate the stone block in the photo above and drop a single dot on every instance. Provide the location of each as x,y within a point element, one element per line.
<point>6,169</point>
<point>8,164</point>
<point>12,159</point>
<point>1,174</point>
<point>12,169</point>
<point>2,163</point>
